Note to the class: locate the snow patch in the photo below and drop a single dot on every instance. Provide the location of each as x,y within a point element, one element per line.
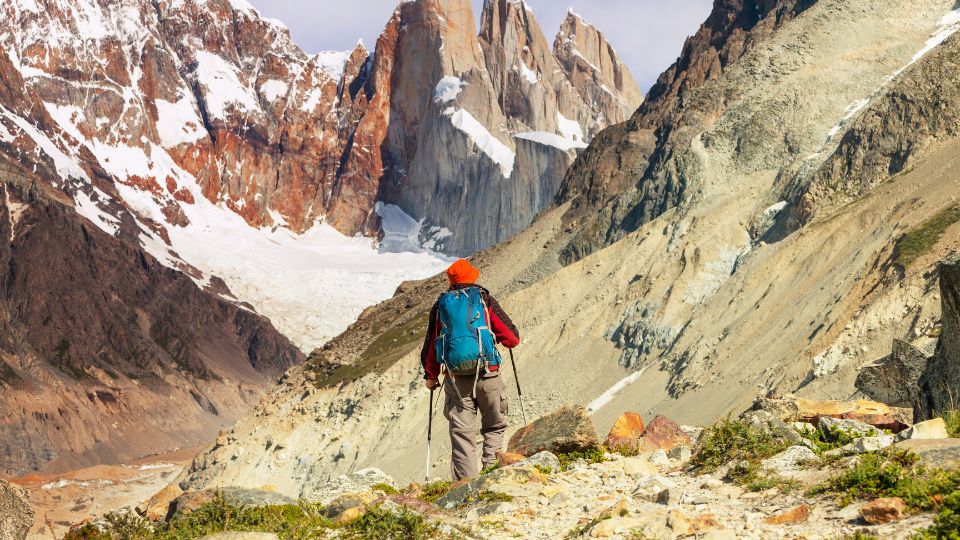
<point>570,129</point>
<point>87,208</point>
<point>606,397</point>
<point>222,84</point>
<point>948,26</point>
<point>178,123</point>
<point>448,89</point>
<point>274,89</point>
<point>528,74</point>
<point>551,139</point>
<point>333,62</point>
<point>775,209</point>
<point>65,165</point>
<point>500,153</point>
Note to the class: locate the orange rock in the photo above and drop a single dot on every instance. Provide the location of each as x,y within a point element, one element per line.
<point>799,514</point>
<point>509,458</point>
<point>625,431</point>
<point>884,510</point>
<point>156,508</point>
<point>664,433</point>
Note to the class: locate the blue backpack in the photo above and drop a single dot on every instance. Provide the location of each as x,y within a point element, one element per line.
<point>465,344</point>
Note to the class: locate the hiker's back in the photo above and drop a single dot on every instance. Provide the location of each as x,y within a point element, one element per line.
<point>466,344</point>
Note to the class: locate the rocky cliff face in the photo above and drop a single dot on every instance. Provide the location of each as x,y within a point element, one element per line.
<point>941,379</point>
<point>209,92</point>
<point>631,174</point>
<point>108,355</point>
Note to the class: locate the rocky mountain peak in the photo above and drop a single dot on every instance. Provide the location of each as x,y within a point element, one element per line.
<point>593,67</point>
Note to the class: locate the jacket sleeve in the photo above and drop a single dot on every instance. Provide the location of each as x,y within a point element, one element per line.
<point>428,353</point>
<point>501,325</point>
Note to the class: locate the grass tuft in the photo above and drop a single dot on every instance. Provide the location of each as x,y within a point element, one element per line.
<point>595,455</point>
<point>432,492</point>
<point>386,525</point>
<point>918,241</point>
<point>386,488</point>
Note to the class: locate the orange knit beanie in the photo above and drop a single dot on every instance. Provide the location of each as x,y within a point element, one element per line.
<point>462,272</point>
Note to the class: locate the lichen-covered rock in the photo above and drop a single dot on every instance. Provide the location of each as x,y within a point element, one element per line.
<point>16,515</point>
<point>569,429</point>
<point>157,507</point>
<point>663,433</point>
<point>938,453</point>
<point>356,482</point>
<point>627,429</point>
<point>895,379</point>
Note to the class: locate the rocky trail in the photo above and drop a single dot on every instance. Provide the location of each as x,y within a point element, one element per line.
<point>788,468</point>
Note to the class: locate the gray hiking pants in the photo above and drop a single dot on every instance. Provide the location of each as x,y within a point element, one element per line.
<point>461,411</point>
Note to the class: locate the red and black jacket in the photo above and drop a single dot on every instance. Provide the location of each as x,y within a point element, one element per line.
<point>502,327</point>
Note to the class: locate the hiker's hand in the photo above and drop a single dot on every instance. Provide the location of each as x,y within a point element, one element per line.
<point>432,383</point>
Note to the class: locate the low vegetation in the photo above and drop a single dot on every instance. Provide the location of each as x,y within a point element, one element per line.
<point>289,522</point>
<point>753,478</point>
<point>432,492</point>
<point>921,239</point>
<point>946,526</point>
<point>952,419</point>
<point>892,473</point>
<point>385,525</point>
<point>596,455</point>
<point>734,440</point>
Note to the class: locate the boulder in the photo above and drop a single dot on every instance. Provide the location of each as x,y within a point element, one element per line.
<point>790,461</point>
<point>886,510</point>
<point>356,482</point>
<point>935,453</point>
<point>510,480</point>
<point>794,409</point>
<point>16,515</point>
<point>665,434</point>
<point>930,429</point>
<point>895,379</point>
<point>156,508</point>
<point>569,429</point>
<point>940,382</point>
<point>626,431</point>
<point>191,501</point>
<point>799,514</point>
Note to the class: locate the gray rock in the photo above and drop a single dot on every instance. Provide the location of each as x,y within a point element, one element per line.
<point>500,480</point>
<point>356,482</point>
<point>16,515</point>
<point>541,459</point>
<point>790,461</point>
<point>935,453</point>
<point>850,427</point>
<point>680,453</point>
<point>770,423</point>
<point>863,445</point>
<point>894,380</point>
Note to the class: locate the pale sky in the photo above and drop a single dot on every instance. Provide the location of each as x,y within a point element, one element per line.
<point>647,34</point>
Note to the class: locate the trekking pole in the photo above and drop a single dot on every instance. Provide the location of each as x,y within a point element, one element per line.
<point>426,474</point>
<point>426,470</point>
<point>519,392</point>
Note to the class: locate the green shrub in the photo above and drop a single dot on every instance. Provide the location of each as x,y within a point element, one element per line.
<point>892,474</point>
<point>946,526</point>
<point>733,440</point>
<point>827,439</point>
<point>386,525</point>
<point>594,455</point>
<point>543,469</point>
<point>386,488</point>
<point>490,468</point>
<point>432,492</point>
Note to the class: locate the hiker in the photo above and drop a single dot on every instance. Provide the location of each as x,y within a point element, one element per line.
<point>464,327</point>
